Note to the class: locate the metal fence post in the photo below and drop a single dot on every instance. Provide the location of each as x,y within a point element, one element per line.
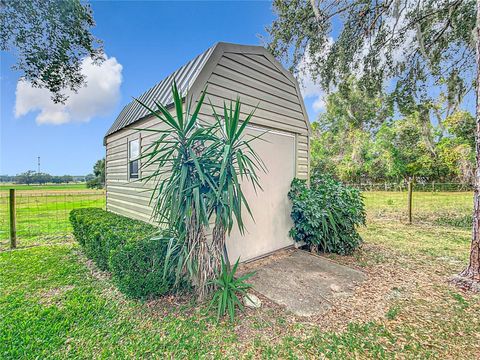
<point>13,220</point>
<point>410,191</point>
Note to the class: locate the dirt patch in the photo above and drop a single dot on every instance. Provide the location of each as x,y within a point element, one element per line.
<point>54,296</point>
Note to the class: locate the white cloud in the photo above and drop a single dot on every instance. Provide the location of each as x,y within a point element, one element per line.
<point>97,98</point>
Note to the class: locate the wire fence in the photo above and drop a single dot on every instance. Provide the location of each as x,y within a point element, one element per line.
<point>419,186</point>
<point>435,204</point>
<point>44,215</point>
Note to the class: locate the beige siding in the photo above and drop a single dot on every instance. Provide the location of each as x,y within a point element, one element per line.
<point>257,82</point>
<point>129,197</point>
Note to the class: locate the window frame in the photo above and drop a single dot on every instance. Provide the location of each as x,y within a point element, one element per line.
<point>131,139</point>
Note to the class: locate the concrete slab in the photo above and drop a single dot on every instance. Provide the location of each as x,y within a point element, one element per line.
<point>304,283</point>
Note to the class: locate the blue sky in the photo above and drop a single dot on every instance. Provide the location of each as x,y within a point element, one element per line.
<point>149,40</point>
<point>145,41</point>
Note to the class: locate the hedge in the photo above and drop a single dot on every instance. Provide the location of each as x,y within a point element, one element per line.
<point>132,250</point>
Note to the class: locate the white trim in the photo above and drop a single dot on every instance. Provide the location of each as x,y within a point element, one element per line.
<point>130,139</point>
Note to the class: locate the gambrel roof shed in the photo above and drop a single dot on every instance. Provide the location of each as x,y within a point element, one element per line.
<point>194,74</point>
<point>227,71</point>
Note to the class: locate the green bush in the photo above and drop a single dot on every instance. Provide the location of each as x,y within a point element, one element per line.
<point>132,250</point>
<point>326,215</point>
<point>138,268</point>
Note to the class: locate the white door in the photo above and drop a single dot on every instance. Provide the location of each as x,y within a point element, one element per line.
<point>268,231</point>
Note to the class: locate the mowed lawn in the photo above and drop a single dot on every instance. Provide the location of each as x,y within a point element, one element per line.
<point>56,304</point>
<point>42,211</point>
<point>46,187</point>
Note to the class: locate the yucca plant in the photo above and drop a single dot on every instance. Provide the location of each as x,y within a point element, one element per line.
<point>237,163</point>
<point>229,291</point>
<point>197,172</point>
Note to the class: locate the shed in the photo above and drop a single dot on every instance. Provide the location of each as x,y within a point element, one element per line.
<point>230,71</point>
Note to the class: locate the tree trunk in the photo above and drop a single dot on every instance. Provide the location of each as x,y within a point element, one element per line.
<point>470,276</point>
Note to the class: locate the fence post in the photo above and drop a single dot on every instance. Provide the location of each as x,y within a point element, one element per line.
<point>13,220</point>
<point>410,191</point>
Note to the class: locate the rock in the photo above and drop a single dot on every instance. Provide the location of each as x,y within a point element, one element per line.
<point>252,301</point>
<point>335,288</point>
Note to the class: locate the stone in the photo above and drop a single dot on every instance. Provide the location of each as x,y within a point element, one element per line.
<point>252,301</point>
<point>335,288</point>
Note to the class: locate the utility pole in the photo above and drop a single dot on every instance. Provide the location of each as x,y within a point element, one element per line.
<point>38,168</point>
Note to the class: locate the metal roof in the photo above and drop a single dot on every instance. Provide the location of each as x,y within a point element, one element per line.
<point>184,77</point>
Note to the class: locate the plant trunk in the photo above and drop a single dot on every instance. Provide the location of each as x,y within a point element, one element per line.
<point>219,245</point>
<point>471,274</point>
<point>200,258</point>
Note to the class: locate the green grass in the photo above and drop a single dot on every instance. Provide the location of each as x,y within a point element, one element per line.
<point>441,208</point>
<point>22,187</point>
<point>45,213</point>
<point>54,305</point>
<point>51,307</point>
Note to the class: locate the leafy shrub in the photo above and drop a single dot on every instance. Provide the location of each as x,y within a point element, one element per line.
<point>138,268</point>
<point>132,250</point>
<point>228,289</point>
<point>326,215</point>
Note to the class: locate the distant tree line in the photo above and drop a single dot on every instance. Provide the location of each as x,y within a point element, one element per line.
<point>94,181</point>
<point>33,177</point>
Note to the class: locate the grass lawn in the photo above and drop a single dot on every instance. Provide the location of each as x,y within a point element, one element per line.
<point>43,214</point>
<point>22,187</point>
<point>55,304</point>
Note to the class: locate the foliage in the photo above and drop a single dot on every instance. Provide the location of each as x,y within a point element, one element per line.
<point>360,146</point>
<point>33,177</point>
<point>229,291</point>
<point>462,126</point>
<point>205,164</point>
<point>138,268</point>
<point>326,215</point>
<point>50,39</point>
<point>417,44</point>
<point>98,182</point>
<point>133,251</point>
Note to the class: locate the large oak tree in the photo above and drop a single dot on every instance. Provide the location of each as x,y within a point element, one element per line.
<point>413,48</point>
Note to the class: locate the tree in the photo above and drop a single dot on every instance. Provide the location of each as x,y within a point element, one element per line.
<point>98,181</point>
<point>50,39</point>
<point>470,276</point>
<point>343,134</point>
<point>413,45</point>
<point>197,170</point>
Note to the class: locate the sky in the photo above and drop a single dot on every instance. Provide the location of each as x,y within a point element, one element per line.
<point>144,42</point>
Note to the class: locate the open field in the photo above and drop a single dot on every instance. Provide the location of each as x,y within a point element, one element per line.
<point>442,208</point>
<point>43,214</point>
<point>56,304</point>
<point>47,187</point>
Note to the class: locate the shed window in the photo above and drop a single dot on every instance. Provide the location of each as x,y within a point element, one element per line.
<point>133,158</point>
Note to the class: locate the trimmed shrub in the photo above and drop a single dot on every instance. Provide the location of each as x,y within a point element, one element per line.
<point>326,215</point>
<point>132,250</point>
<point>138,268</point>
